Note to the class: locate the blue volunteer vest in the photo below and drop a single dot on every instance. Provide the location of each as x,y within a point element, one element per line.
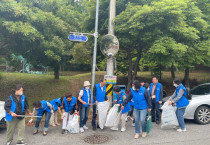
<point>100,95</point>
<point>69,106</point>
<point>127,107</point>
<point>54,105</point>
<point>158,87</point>
<point>13,107</point>
<point>44,108</point>
<point>139,99</point>
<point>183,102</point>
<point>85,97</point>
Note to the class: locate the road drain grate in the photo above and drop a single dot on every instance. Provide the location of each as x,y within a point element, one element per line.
<point>97,139</point>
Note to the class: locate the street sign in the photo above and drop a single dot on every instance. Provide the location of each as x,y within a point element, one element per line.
<point>78,38</point>
<point>110,79</point>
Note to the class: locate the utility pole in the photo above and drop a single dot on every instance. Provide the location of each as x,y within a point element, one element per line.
<point>112,14</point>
<point>95,48</point>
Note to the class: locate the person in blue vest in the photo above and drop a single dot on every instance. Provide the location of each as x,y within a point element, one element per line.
<point>42,107</point>
<point>16,104</point>
<point>179,98</point>
<point>142,104</point>
<point>156,93</point>
<point>69,106</point>
<point>85,98</point>
<point>99,95</point>
<point>120,97</point>
<point>56,104</point>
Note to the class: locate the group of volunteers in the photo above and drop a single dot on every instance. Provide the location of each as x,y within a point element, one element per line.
<point>140,99</point>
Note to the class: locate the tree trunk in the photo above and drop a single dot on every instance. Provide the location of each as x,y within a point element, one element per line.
<point>186,77</point>
<point>130,68</point>
<point>56,71</point>
<point>172,72</point>
<point>136,65</point>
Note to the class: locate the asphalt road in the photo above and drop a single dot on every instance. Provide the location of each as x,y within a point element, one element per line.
<point>196,135</point>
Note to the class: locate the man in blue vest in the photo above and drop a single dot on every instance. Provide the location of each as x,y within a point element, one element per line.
<point>16,104</point>
<point>56,104</point>
<point>99,95</point>
<point>156,93</point>
<point>85,98</point>
<point>179,98</point>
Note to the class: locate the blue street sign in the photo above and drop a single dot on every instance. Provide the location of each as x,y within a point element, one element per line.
<point>78,38</point>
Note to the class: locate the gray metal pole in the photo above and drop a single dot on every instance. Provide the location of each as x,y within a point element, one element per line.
<point>95,48</point>
<point>112,14</point>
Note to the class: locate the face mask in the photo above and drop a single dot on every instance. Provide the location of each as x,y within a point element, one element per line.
<point>175,85</point>
<point>87,88</point>
<point>19,93</point>
<point>133,88</point>
<point>147,89</point>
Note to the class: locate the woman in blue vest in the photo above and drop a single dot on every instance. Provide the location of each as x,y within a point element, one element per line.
<point>120,97</point>
<point>56,104</point>
<point>85,98</point>
<point>42,107</point>
<point>16,104</point>
<point>69,106</point>
<point>179,98</point>
<point>142,103</point>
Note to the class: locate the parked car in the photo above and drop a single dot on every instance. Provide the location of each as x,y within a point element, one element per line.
<point>2,113</point>
<point>199,107</point>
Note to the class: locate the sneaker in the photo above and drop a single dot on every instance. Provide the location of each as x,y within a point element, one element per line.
<point>180,130</point>
<point>20,142</point>
<point>81,129</point>
<point>144,134</point>
<point>53,125</point>
<point>176,127</point>
<point>63,131</point>
<point>133,124</point>
<point>9,143</point>
<point>114,128</point>
<point>136,136</point>
<point>58,124</point>
<point>94,128</point>
<point>157,122</point>
<point>123,129</point>
<point>85,127</point>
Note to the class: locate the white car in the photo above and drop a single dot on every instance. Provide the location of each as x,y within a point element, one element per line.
<point>199,107</point>
<point>2,113</point>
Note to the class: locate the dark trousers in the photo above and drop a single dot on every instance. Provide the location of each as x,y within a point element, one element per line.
<point>94,116</point>
<point>155,108</point>
<point>130,113</point>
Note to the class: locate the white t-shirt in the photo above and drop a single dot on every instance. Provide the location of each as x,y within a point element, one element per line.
<point>82,92</point>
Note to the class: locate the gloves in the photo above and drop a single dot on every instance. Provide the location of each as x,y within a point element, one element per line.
<point>117,105</point>
<point>63,115</point>
<point>115,101</point>
<point>30,121</point>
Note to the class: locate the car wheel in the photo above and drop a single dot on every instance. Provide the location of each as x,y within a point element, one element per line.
<point>202,115</point>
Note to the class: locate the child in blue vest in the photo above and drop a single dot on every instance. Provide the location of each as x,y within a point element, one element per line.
<point>16,104</point>
<point>42,107</point>
<point>156,93</point>
<point>142,103</point>
<point>69,108</point>
<point>120,97</point>
<point>179,98</point>
<point>85,98</point>
<point>56,104</point>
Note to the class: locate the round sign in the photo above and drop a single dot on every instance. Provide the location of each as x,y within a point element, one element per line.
<point>109,45</point>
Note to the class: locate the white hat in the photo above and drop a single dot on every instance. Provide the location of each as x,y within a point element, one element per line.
<point>86,83</point>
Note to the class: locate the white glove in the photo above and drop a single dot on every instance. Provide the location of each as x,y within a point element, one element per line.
<point>117,105</point>
<point>63,115</point>
<point>30,121</point>
<point>52,111</point>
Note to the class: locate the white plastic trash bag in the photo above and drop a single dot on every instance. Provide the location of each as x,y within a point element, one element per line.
<point>102,113</point>
<point>117,119</point>
<point>73,126</point>
<point>112,115</point>
<point>168,117</point>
